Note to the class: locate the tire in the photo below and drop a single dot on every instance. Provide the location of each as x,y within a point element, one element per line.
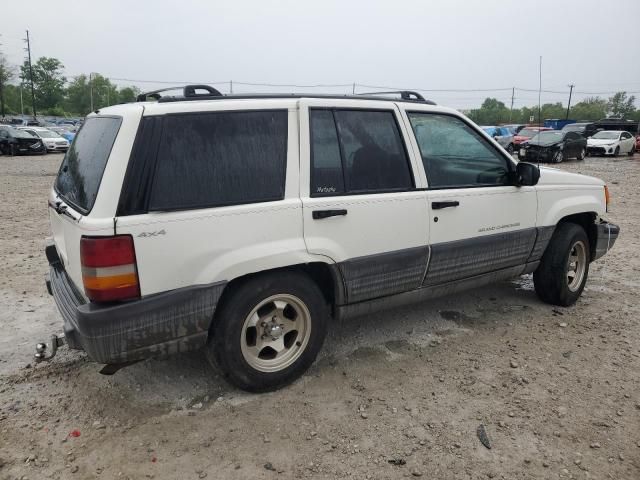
<point>12,150</point>
<point>558,157</point>
<point>630,153</point>
<point>245,353</point>
<point>552,279</point>
<point>581,154</point>
<point>616,152</point>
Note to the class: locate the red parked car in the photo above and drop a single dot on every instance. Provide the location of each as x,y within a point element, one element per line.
<point>637,143</point>
<point>526,134</point>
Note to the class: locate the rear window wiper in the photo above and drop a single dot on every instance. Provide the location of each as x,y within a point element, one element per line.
<point>63,210</point>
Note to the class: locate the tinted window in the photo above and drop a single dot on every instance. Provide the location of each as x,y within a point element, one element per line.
<point>326,172</point>
<point>366,154</point>
<point>83,165</point>
<point>220,158</point>
<point>455,155</point>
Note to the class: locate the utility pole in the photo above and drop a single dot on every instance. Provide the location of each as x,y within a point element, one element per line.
<point>513,93</point>
<point>21,102</point>
<point>2,73</point>
<point>33,93</point>
<point>569,104</point>
<point>231,87</point>
<point>540,95</point>
<point>91,90</point>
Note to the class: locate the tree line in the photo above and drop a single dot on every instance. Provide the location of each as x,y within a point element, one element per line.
<point>494,112</point>
<point>54,93</point>
<point>59,96</point>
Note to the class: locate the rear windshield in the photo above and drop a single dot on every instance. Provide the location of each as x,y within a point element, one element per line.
<point>83,165</point>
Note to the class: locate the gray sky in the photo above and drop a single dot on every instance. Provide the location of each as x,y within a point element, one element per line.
<point>446,44</point>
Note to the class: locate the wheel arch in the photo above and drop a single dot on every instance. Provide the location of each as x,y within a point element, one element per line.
<point>586,220</point>
<point>326,276</point>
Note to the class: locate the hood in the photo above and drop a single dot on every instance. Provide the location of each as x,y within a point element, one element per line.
<point>601,141</point>
<point>553,176</point>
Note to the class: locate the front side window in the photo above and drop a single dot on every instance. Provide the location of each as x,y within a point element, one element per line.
<point>220,158</point>
<point>357,151</point>
<point>454,154</point>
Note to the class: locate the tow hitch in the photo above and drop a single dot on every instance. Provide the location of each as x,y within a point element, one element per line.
<point>41,348</point>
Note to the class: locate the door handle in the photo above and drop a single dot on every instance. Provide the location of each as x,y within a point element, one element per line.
<point>320,214</point>
<point>439,205</point>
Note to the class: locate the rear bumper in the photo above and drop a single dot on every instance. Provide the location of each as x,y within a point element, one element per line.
<point>155,325</point>
<point>606,235</point>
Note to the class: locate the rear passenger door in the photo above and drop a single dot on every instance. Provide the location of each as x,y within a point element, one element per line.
<point>479,222</point>
<point>362,208</point>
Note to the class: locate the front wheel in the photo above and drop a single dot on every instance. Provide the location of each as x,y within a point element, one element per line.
<point>564,267</point>
<point>616,152</point>
<point>558,156</point>
<point>631,152</point>
<point>268,331</point>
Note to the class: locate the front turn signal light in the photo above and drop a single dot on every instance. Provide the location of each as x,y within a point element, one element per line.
<point>607,198</point>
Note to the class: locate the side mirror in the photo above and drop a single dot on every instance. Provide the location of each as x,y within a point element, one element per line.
<point>527,174</point>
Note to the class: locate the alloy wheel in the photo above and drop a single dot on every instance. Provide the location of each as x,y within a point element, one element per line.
<point>275,333</point>
<point>576,265</point>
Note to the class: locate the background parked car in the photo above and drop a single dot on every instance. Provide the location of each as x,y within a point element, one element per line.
<point>526,134</point>
<point>502,135</point>
<point>611,143</point>
<point>515,127</point>
<point>51,140</point>
<point>555,146</point>
<point>18,142</point>
<point>638,143</point>
<point>64,133</point>
<point>586,129</point>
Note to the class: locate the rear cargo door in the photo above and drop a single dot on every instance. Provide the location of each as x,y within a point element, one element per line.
<point>81,202</point>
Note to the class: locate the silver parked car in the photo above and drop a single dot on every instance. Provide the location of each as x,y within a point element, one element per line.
<point>502,135</point>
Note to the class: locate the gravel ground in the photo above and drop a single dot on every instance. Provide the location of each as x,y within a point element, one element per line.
<point>397,394</point>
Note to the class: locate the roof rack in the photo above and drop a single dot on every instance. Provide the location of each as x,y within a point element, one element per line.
<point>189,92</point>
<point>404,94</point>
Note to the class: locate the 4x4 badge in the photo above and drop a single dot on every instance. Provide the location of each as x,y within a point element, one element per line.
<point>152,234</point>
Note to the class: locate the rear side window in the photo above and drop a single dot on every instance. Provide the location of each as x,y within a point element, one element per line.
<point>83,165</point>
<point>220,158</point>
<point>357,151</point>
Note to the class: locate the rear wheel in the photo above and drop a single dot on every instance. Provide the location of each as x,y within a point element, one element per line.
<point>564,268</point>
<point>582,153</point>
<point>269,331</point>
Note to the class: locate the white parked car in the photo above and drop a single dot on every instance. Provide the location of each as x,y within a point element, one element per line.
<point>53,141</point>
<point>245,225</point>
<point>611,142</point>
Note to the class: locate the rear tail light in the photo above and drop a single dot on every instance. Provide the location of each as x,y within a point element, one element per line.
<point>109,270</point>
<point>607,198</point>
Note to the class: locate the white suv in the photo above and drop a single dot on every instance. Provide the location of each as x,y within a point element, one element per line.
<point>245,224</point>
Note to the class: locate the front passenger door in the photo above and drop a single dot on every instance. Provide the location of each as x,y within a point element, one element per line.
<point>479,222</point>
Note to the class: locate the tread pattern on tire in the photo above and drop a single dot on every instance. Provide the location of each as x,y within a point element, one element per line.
<point>550,276</point>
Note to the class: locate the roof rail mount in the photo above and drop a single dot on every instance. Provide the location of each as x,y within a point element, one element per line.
<point>404,94</point>
<point>189,91</point>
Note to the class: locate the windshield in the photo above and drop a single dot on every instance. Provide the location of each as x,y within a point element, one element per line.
<point>23,134</point>
<point>83,165</point>
<point>528,132</point>
<point>547,138</point>
<point>606,135</point>
<point>47,134</point>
